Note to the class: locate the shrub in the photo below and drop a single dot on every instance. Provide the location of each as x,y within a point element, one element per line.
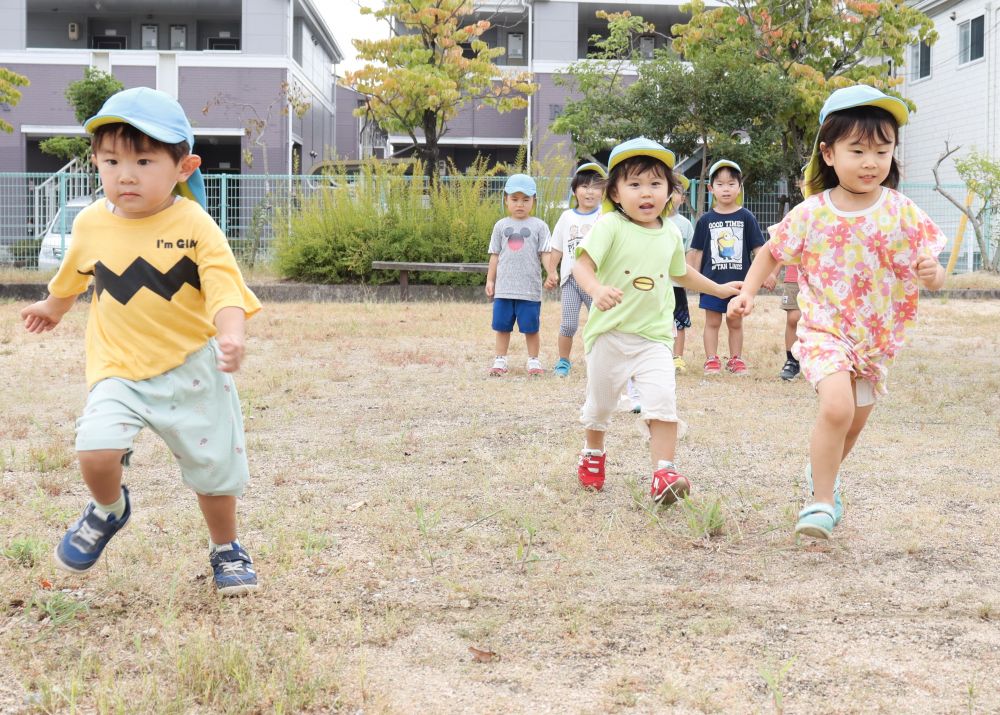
<point>383,214</point>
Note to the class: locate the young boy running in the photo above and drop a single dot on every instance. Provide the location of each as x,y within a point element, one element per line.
<point>725,240</point>
<point>166,329</point>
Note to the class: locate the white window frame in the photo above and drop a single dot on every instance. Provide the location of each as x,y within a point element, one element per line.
<point>965,40</point>
<point>917,52</point>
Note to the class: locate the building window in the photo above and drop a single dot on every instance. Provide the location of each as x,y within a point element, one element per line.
<point>970,40</point>
<point>554,111</point>
<point>515,45</point>
<point>920,61</point>
<point>647,45</point>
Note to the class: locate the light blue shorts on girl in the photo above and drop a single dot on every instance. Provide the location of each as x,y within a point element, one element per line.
<point>194,408</point>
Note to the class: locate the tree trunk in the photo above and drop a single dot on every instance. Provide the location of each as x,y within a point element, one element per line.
<point>430,152</point>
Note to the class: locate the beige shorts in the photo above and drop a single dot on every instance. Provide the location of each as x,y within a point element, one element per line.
<point>789,296</point>
<point>616,357</point>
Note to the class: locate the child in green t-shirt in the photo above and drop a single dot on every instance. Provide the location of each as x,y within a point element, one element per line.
<point>626,264</point>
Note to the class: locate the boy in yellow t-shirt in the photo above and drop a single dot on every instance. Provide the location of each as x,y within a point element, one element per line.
<point>164,334</point>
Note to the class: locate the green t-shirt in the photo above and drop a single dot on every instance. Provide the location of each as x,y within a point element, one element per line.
<point>639,262</point>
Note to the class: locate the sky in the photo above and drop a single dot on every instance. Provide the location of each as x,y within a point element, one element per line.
<point>345,20</point>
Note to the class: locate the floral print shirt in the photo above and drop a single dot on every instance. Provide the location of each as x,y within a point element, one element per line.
<point>857,290</point>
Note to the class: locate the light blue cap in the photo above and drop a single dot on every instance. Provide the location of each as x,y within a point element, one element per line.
<point>157,115</point>
<point>520,183</point>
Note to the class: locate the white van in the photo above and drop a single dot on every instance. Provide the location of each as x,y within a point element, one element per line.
<point>55,243</point>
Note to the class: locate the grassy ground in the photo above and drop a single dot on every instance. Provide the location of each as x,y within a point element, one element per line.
<point>405,508</point>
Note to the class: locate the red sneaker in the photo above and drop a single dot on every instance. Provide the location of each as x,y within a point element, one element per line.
<point>736,365</point>
<point>668,486</point>
<point>590,471</point>
<point>713,366</point>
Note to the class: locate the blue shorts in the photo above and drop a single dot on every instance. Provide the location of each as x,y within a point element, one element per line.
<point>527,313</point>
<point>716,305</point>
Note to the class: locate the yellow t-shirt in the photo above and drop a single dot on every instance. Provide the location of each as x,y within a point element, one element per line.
<point>159,282</point>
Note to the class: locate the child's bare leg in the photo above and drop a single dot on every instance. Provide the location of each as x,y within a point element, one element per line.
<point>829,434</point>
<point>861,415</point>
<point>565,346</point>
<point>713,321</point>
<point>662,441</point>
<point>595,439</point>
<point>791,324</point>
<point>503,343</point>
<point>533,343</point>
<point>735,326</point>
<point>220,517</point>
<point>679,343</point>
<point>102,472</point>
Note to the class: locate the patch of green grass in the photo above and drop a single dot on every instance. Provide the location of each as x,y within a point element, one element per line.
<point>26,551</point>
<point>59,608</point>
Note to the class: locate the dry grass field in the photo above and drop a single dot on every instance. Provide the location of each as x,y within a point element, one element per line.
<point>407,509</point>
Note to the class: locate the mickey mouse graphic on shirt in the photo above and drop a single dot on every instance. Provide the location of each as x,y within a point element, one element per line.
<point>515,237</point>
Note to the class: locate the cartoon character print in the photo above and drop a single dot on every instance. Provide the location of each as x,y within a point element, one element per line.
<point>577,233</point>
<point>643,283</point>
<point>727,244</point>
<point>515,237</point>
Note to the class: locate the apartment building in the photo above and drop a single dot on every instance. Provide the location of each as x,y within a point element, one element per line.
<point>541,36</point>
<point>955,84</point>
<point>231,57</point>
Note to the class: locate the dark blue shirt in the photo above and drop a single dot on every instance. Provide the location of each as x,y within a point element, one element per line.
<point>726,241</point>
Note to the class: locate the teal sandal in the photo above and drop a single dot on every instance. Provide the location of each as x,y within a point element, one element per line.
<point>816,520</point>
<point>838,504</point>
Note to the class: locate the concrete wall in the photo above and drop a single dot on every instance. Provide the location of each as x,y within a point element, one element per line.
<point>347,146</point>
<point>555,32</point>
<point>267,27</point>
<point>13,28</point>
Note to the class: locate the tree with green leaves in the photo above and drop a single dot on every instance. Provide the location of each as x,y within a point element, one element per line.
<point>86,96</point>
<point>9,92</point>
<point>418,79</point>
<point>817,46</point>
<point>981,175</point>
<point>712,105</point>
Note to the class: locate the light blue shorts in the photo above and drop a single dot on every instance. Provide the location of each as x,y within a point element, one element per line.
<point>194,408</point>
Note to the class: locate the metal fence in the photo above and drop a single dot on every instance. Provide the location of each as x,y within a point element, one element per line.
<point>245,207</point>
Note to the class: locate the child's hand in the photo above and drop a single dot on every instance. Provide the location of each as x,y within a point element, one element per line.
<point>231,349</point>
<point>607,297</point>
<point>730,289</point>
<point>40,317</point>
<point>490,286</point>
<point>770,282</point>
<point>551,281</point>
<point>928,271</point>
<point>742,304</point>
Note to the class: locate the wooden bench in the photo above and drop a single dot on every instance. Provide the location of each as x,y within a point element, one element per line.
<point>404,269</point>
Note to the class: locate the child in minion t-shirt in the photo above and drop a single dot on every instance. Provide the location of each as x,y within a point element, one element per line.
<point>166,329</point>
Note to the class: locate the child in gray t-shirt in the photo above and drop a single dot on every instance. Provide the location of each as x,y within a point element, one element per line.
<point>514,279</point>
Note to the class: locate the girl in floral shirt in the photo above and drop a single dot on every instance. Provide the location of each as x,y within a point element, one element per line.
<point>863,251</point>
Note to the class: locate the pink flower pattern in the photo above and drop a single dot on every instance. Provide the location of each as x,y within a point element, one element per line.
<point>858,292</point>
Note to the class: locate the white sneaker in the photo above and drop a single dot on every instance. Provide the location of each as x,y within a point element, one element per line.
<point>499,366</point>
<point>534,366</point>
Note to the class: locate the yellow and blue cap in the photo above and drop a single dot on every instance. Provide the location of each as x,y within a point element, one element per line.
<point>640,146</point>
<point>859,95</point>
<point>589,166</point>
<point>157,115</point>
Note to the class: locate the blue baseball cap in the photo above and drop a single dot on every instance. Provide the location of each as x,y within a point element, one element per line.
<point>520,183</point>
<point>640,146</point>
<point>589,166</point>
<point>155,114</point>
<point>859,95</point>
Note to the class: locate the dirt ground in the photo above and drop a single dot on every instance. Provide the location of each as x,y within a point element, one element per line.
<point>406,508</point>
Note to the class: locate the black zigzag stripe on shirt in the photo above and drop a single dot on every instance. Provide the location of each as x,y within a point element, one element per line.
<point>143,275</point>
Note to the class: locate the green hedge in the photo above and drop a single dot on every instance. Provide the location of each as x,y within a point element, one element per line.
<point>381,214</point>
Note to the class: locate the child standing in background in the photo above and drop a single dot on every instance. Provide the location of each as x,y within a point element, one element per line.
<point>863,251</point>
<point>514,277</point>
<point>725,240</point>
<point>573,225</point>
<point>682,316</point>
<point>625,264</point>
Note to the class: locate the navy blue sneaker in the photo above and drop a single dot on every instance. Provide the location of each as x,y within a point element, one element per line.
<point>233,569</point>
<point>85,540</point>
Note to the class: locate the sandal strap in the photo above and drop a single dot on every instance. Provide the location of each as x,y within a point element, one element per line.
<point>818,508</point>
